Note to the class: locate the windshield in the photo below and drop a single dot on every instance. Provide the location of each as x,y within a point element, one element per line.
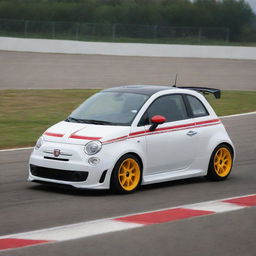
<point>109,108</point>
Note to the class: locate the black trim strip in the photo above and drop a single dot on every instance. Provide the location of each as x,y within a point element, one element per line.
<point>58,159</point>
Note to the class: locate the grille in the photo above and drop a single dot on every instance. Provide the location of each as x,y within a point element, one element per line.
<point>58,174</point>
<point>57,159</point>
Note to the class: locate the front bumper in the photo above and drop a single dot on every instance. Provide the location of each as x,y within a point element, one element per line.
<point>71,167</point>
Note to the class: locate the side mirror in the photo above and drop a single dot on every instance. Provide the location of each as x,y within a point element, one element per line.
<point>156,120</point>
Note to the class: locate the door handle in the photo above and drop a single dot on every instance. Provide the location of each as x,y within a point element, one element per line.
<point>191,133</point>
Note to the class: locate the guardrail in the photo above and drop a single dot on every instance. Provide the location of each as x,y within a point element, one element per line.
<point>113,32</point>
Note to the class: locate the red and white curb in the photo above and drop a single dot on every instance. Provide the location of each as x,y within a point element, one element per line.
<point>103,226</point>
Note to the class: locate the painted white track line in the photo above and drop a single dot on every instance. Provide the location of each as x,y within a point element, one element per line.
<point>15,149</point>
<point>237,115</point>
<point>103,226</point>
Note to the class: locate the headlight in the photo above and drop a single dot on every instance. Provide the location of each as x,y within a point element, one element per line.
<point>39,143</point>
<point>92,147</point>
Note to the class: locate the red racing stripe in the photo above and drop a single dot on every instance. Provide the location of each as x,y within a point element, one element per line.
<point>174,127</point>
<point>171,128</point>
<point>10,243</point>
<point>163,216</point>
<point>53,134</point>
<point>80,137</point>
<point>137,133</point>
<point>115,139</point>
<point>207,122</point>
<point>243,201</point>
<point>167,129</point>
<point>73,136</point>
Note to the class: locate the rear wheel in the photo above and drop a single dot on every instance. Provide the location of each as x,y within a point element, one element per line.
<point>126,175</point>
<point>220,163</point>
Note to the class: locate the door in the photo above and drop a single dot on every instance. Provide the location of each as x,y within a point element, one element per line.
<point>173,145</point>
<point>205,123</point>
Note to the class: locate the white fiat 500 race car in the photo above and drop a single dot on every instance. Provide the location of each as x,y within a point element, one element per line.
<point>128,136</point>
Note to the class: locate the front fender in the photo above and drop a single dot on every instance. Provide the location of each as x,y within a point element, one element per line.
<point>116,150</point>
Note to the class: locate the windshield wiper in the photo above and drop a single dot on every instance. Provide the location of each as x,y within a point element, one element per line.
<point>100,122</point>
<point>89,121</point>
<point>75,119</point>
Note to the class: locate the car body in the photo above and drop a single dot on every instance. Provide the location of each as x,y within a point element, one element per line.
<point>166,133</point>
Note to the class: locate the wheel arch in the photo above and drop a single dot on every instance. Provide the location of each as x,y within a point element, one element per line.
<point>212,174</point>
<point>221,137</point>
<point>231,147</point>
<point>135,155</point>
<point>114,184</point>
<point>214,146</point>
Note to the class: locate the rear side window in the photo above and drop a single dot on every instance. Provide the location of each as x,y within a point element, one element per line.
<point>197,107</point>
<point>172,107</point>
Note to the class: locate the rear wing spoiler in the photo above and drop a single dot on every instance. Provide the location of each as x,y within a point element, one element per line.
<point>204,90</point>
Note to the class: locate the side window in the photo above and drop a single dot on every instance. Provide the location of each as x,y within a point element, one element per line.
<point>172,107</point>
<point>197,107</point>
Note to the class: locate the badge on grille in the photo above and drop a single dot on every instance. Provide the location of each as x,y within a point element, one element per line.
<point>56,152</point>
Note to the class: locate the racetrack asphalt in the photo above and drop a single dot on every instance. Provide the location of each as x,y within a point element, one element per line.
<point>20,70</point>
<point>27,206</point>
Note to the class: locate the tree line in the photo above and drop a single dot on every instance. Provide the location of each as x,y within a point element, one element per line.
<point>233,14</point>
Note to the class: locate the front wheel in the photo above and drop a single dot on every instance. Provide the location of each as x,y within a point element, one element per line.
<point>126,175</point>
<point>220,163</point>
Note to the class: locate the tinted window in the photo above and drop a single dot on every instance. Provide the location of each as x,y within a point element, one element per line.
<point>197,107</point>
<point>172,107</point>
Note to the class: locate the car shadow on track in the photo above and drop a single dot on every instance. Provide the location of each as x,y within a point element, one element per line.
<point>168,184</point>
<point>69,190</point>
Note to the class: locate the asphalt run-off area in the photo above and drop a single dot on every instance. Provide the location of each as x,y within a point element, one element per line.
<point>208,217</point>
<point>20,70</point>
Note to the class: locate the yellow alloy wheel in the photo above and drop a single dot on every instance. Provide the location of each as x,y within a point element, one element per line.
<point>222,162</point>
<point>129,174</point>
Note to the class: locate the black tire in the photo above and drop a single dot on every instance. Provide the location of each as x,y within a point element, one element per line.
<point>221,163</point>
<point>126,175</point>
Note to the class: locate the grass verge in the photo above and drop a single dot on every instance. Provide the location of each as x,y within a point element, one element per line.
<point>26,114</point>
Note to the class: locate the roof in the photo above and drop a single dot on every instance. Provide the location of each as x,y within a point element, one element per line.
<point>152,89</point>
<point>139,89</point>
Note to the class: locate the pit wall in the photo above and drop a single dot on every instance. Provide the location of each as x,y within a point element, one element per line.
<point>126,49</point>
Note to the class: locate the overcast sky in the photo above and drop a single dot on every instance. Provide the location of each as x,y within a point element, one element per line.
<point>252,4</point>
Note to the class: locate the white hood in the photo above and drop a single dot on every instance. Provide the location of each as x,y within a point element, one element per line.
<point>77,133</point>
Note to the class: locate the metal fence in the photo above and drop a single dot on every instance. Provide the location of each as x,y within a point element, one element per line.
<point>112,32</point>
